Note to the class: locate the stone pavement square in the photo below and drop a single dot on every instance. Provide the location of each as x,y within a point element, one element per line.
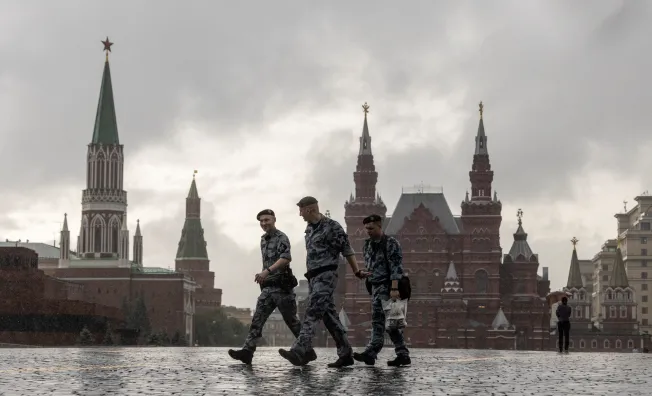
<point>210,371</point>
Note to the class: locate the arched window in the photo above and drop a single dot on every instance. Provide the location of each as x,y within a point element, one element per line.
<point>623,311</point>
<point>97,240</point>
<point>582,344</point>
<point>607,344</point>
<point>578,312</point>
<point>630,344</point>
<point>481,281</point>
<point>619,344</point>
<point>612,312</point>
<point>594,343</point>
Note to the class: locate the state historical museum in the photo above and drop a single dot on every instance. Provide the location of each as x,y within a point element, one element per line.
<point>465,292</point>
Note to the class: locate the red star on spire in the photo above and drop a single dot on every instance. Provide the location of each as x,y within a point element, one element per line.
<point>107,45</point>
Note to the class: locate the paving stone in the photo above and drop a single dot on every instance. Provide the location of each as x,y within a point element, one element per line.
<point>210,371</point>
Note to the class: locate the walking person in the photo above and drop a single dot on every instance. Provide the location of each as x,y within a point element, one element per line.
<point>384,261</point>
<point>563,324</point>
<point>276,287</point>
<point>325,241</point>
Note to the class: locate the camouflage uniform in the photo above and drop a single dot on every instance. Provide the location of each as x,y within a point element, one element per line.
<point>325,241</point>
<point>273,246</point>
<point>380,278</point>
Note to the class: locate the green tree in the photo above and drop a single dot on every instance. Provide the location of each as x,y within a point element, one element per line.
<point>108,336</point>
<point>86,337</point>
<point>215,328</point>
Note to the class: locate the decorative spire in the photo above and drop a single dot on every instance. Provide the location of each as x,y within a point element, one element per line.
<point>619,274</point>
<point>519,215</point>
<point>65,222</point>
<point>574,273</point>
<point>138,228</point>
<point>365,139</point>
<point>106,125</point>
<point>138,246</point>
<point>481,137</point>
<point>192,244</point>
<point>451,281</point>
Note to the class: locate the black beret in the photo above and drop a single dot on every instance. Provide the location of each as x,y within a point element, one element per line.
<point>306,201</point>
<point>265,212</point>
<point>374,218</point>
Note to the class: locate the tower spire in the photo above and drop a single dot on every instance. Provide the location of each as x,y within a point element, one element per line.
<point>481,137</point>
<point>138,246</point>
<point>619,274</point>
<point>574,273</point>
<point>365,139</point>
<point>192,244</point>
<point>106,125</point>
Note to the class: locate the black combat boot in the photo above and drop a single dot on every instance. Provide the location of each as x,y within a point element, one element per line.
<point>242,355</point>
<point>342,362</point>
<point>401,360</point>
<point>311,355</point>
<point>364,357</point>
<point>293,357</point>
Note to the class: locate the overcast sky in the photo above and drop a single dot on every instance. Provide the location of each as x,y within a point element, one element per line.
<point>263,99</point>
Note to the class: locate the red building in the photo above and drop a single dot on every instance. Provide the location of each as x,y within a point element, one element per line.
<point>36,309</point>
<point>192,256</point>
<point>101,261</point>
<point>465,294</point>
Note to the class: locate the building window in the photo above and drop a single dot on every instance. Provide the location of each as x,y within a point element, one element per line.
<point>619,344</point>
<point>607,344</point>
<point>644,322</point>
<point>623,312</point>
<point>571,344</point>
<point>605,267</point>
<point>481,278</point>
<point>605,278</point>
<point>644,286</point>
<point>643,240</point>
<point>644,310</point>
<point>645,226</point>
<point>643,252</point>
<point>594,343</point>
<point>582,344</point>
<point>643,263</point>
<point>643,275</point>
<point>612,312</point>
<point>578,312</point>
<point>630,344</point>
<point>643,298</point>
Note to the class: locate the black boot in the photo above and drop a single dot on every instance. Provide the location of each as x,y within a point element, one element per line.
<point>342,362</point>
<point>311,355</point>
<point>292,357</point>
<point>364,357</point>
<point>242,355</point>
<point>401,360</point>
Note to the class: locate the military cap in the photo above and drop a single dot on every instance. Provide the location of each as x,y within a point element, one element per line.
<point>306,201</point>
<point>265,212</point>
<point>374,218</point>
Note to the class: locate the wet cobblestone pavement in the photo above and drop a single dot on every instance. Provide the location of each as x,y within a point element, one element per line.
<point>209,371</point>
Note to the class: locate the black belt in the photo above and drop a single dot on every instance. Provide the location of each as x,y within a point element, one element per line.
<point>317,271</point>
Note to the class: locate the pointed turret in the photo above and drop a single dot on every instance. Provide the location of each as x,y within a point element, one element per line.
<point>574,273</point>
<point>481,137</point>
<point>365,139</point>
<point>106,125</point>
<point>123,246</point>
<point>619,274</point>
<point>138,246</point>
<point>192,244</point>
<point>64,243</point>
<point>451,282</point>
<point>520,247</point>
<point>500,320</point>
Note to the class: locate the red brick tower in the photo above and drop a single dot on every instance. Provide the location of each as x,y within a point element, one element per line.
<point>481,218</point>
<point>366,201</point>
<point>192,257</point>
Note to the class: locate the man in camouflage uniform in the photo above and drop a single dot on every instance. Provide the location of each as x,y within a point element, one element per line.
<point>384,260</point>
<point>275,292</point>
<point>325,241</point>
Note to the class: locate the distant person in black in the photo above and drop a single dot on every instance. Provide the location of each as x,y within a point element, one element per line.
<point>563,324</point>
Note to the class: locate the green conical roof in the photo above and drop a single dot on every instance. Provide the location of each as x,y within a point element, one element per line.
<point>574,274</point>
<point>619,274</point>
<point>192,244</point>
<point>106,126</point>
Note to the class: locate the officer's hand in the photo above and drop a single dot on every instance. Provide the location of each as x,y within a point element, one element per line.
<point>362,274</point>
<point>394,295</point>
<point>260,278</point>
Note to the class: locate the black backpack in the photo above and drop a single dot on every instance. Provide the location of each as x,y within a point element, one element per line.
<point>404,287</point>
